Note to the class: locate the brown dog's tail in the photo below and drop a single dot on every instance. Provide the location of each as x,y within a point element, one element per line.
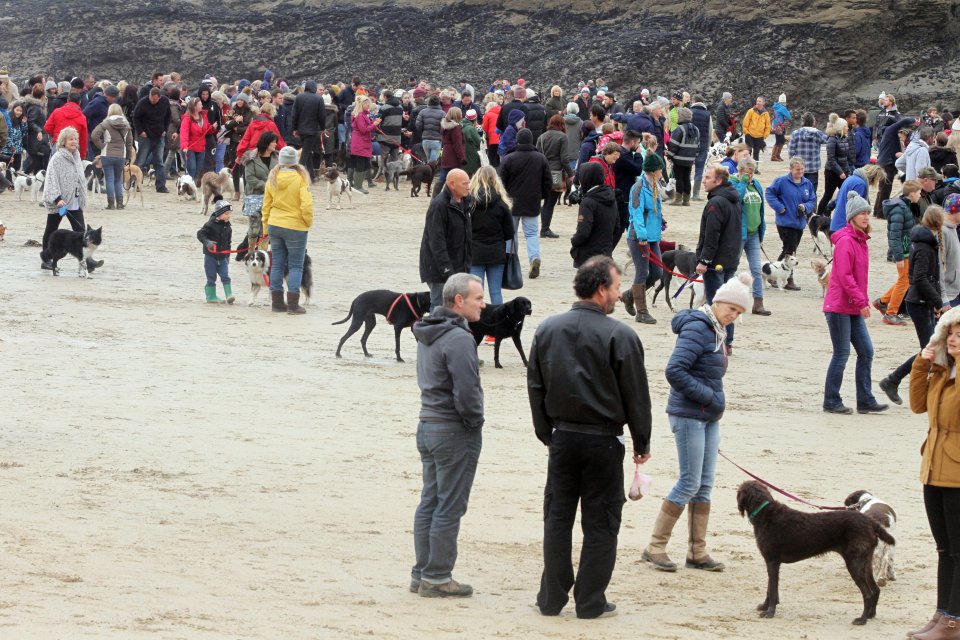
<point>349,314</point>
<point>883,534</point>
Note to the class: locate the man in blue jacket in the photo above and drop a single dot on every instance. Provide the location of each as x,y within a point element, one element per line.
<point>792,198</point>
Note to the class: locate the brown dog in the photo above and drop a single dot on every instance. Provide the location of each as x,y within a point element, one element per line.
<point>822,269</point>
<point>785,535</point>
<point>214,184</point>
<point>133,177</point>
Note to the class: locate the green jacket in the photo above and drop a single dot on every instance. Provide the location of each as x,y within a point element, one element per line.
<point>255,173</point>
<point>471,139</point>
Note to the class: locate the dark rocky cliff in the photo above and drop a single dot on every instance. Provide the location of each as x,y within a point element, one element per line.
<point>824,55</point>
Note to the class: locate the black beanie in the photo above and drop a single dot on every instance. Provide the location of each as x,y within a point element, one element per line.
<point>525,136</point>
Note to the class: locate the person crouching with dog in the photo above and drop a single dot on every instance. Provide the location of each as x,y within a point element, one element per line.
<point>216,236</point>
<point>934,390</point>
<point>694,408</point>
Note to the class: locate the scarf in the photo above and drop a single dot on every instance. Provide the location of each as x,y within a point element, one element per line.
<point>718,329</point>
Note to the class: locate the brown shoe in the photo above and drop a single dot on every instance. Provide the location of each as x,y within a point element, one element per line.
<point>791,285</point>
<point>452,589</point>
<point>947,628</point>
<point>758,307</point>
<point>276,302</point>
<point>293,304</point>
<point>535,269</point>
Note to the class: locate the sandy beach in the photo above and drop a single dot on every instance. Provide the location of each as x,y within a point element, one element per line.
<point>173,469</point>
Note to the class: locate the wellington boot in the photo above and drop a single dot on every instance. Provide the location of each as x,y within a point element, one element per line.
<point>697,556</point>
<point>677,200</point>
<point>359,177</point>
<point>686,200</point>
<point>656,551</point>
<point>758,307</point>
<point>110,203</point>
<point>211,292</point>
<point>640,302</point>
<point>627,298</point>
<point>696,192</point>
<point>276,302</point>
<point>293,304</point>
<point>228,293</point>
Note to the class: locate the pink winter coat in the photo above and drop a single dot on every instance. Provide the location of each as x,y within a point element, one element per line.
<point>847,292</point>
<point>360,140</point>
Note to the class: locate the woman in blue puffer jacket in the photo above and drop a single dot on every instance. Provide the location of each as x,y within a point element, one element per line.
<point>696,404</point>
<point>643,235</point>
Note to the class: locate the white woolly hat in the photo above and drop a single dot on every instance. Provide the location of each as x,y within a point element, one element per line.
<point>736,291</point>
<point>782,99</point>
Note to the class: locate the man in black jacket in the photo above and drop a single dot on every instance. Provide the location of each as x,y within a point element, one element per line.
<point>445,247</point>
<point>307,122</point>
<point>719,245</point>
<point>602,359</point>
<point>519,95</point>
<point>525,173</point>
<point>625,171</point>
<point>151,119</point>
<point>536,117</point>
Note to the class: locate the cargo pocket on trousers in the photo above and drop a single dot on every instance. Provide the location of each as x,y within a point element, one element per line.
<point>614,516</point>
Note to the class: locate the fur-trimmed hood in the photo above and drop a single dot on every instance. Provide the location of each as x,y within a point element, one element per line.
<point>939,340</point>
<point>449,124</point>
<point>28,99</point>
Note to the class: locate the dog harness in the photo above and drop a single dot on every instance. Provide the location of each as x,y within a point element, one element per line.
<point>405,298</point>
<point>753,515</point>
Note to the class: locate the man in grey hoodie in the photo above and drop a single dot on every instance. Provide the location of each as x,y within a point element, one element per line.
<point>449,433</point>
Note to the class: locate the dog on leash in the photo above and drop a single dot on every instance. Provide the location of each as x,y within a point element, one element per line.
<point>785,535</point>
<point>391,172</point>
<point>133,177</point>
<point>215,184</point>
<point>187,188</point>
<point>337,187</point>
<point>884,515</point>
<point>776,274</point>
<point>819,228</point>
<point>79,244</point>
<point>90,174</point>
<point>257,264</point>
<point>257,267</point>
<point>421,174</point>
<point>822,270</point>
<point>25,181</point>
<point>400,309</point>
<point>680,261</point>
<point>503,321</point>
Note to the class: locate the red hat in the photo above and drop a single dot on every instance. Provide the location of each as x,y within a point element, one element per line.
<point>419,93</point>
<point>521,81</point>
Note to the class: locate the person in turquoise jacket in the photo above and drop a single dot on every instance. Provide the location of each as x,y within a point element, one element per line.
<point>646,227</point>
<point>753,226</point>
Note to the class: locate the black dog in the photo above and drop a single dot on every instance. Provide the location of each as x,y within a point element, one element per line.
<point>785,535</point>
<point>421,174</point>
<point>306,279</point>
<point>819,228</point>
<point>79,244</point>
<point>400,309</point>
<point>503,321</point>
<point>681,261</point>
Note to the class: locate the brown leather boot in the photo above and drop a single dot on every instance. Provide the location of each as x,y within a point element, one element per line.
<point>686,200</point>
<point>626,298</point>
<point>293,304</point>
<point>791,285</point>
<point>947,628</point>
<point>656,551</point>
<point>697,556</point>
<point>927,627</point>
<point>640,302</point>
<point>775,154</point>
<point>276,302</point>
<point>758,307</point>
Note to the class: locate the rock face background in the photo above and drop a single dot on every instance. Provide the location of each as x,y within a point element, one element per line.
<point>825,55</point>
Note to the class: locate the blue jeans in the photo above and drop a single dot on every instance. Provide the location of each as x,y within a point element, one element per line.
<point>531,232</point>
<point>195,164</point>
<point>494,278</point>
<point>713,280</point>
<point>844,331</point>
<point>449,455</point>
<point>645,271</point>
<point>697,444</point>
<point>113,175</point>
<point>698,165</point>
<point>216,266</point>
<point>152,151</point>
<point>755,260</point>
<point>289,248</point>
<point>432,149</point>
<point>436,294</point>
<point>219,155</point>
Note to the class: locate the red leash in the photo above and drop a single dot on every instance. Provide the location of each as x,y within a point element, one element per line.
<point>657,261</point>
<point>405,298</point>
<point>228,251</point>
<point>778,489</point>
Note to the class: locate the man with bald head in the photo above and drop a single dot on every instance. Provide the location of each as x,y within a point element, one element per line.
<point>445,247</point>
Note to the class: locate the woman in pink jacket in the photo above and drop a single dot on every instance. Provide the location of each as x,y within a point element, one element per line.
<point>847,307</point>
<point>194,129</point>
<point>361,142</point>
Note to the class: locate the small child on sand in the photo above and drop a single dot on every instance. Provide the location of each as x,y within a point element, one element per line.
<point>216,236</point>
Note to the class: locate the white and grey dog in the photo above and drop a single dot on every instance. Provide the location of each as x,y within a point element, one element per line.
<point>776,274</point>
<point>883,514</point>
<point>337,187</point>
<point>25,181</point>
<point>187,188</point>
<point>257,263</point>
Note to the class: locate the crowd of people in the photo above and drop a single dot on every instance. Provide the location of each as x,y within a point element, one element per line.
<point>504,162</point>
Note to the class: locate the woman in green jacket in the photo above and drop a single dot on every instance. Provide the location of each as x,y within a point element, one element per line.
<point>471,140</point>
<point>257,164</point>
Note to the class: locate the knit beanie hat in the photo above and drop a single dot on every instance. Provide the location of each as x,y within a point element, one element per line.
<point>524,136</point>
<point>782,99</point>
<point>855,205</point>
<point>951,204</point>
<point>727,95</point>
<point>287,157</point>
<point>516,115</point>
<point>736,291</point>
<point>653,162</point>
<point>684,115</point>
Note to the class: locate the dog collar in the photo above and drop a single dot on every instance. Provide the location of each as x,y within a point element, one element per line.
<point>753,515</point>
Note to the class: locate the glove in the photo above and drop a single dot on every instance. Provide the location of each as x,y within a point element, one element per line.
<point>210,245</point>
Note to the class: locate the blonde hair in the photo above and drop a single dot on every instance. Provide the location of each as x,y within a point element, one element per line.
<point>358,104</point>
<point>486,179</point>
<point>454,115</point>
<point>933,219</point>
<point>875,174</point>
<point>490,97</point>
<point>268,109</point>
<point>121,86</point>
<point>299,168</point>
<point>65,134</point>
<point>556,87</point>
<point>911,186</point>
<point>115,110</point>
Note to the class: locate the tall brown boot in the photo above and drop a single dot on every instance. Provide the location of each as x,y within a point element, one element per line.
<point>640,302</point>
<point>758,307</point>
<point>947,628</point>
<point>697,556</point>
<point>656,551</point>
<point>293,304</point>
<point>775,154</point>
<point>791,285</point>
<point>276,302</point>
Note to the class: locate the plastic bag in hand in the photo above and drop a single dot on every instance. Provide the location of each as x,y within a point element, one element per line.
<point>640,485</point>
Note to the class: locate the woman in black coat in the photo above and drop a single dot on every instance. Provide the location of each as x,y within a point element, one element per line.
<point>492,229</point>
<point>837,168</point>
<point>597,217</point>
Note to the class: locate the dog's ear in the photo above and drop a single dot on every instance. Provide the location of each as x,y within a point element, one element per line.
<point>89,228</point>
<point>853,498</point>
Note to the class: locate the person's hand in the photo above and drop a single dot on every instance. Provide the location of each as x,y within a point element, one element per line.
<point>60,203</point>
<point>865,312</point>
<point>296,133</point>
<point>701,268</point>
<point>174,136</point>
<point>899,153</point>
<point>143,134</point>
<point>843,176</point>
<point>642,243</point>
<point>928,353</point>
<point>640,458</point>
<point>945,308</point>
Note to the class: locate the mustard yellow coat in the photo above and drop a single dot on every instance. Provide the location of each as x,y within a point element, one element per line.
<point>932,391</point>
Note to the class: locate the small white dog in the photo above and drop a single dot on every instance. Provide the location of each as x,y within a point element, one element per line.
<point>187,188</point>
<point>337,187</point>
<point>25,181</point>
<point>776,274</point>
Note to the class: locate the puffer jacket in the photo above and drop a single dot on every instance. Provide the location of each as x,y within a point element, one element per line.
<point>35,111</point>
<point>69,115</point>
<point>588,148</point>
<point>526,175</point>
<point>193,136</point>
<point>114,138</point>
<point>453,145</point>
<point>847,292</point>
<point>361,142</point>
<point>219,233</point>
<point>838,150</point>
<point>258,126</point>
<point>391,123</point>
<point>553,145</point>
<point>900,221</point>
<point>924,269</point>
<point>428,123</point>
<point>492,227</point>
<point>720,225</point>
<point>646,213</point>
<point>756,124</point>
<point>472,143</point>
<point>696,368</point>
<point>596,224</point>
<point>572,121</point>
<point>684,145</point>
<point>490,125</point>
<point>288,205</point>
<point>536,118</point>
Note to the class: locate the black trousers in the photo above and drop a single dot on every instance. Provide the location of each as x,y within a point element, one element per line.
<point>831,182</point>
<point>493,156</point>
<point>885,188</point>
<point>53,223</point>
<point>682,174</point>
<point>308,155</point>
<point>755,145</point>
<point>791,240</point>
<point>546,210</point>
<point>943,514</point>
<point>924,323</point>
<point>587,469</point>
